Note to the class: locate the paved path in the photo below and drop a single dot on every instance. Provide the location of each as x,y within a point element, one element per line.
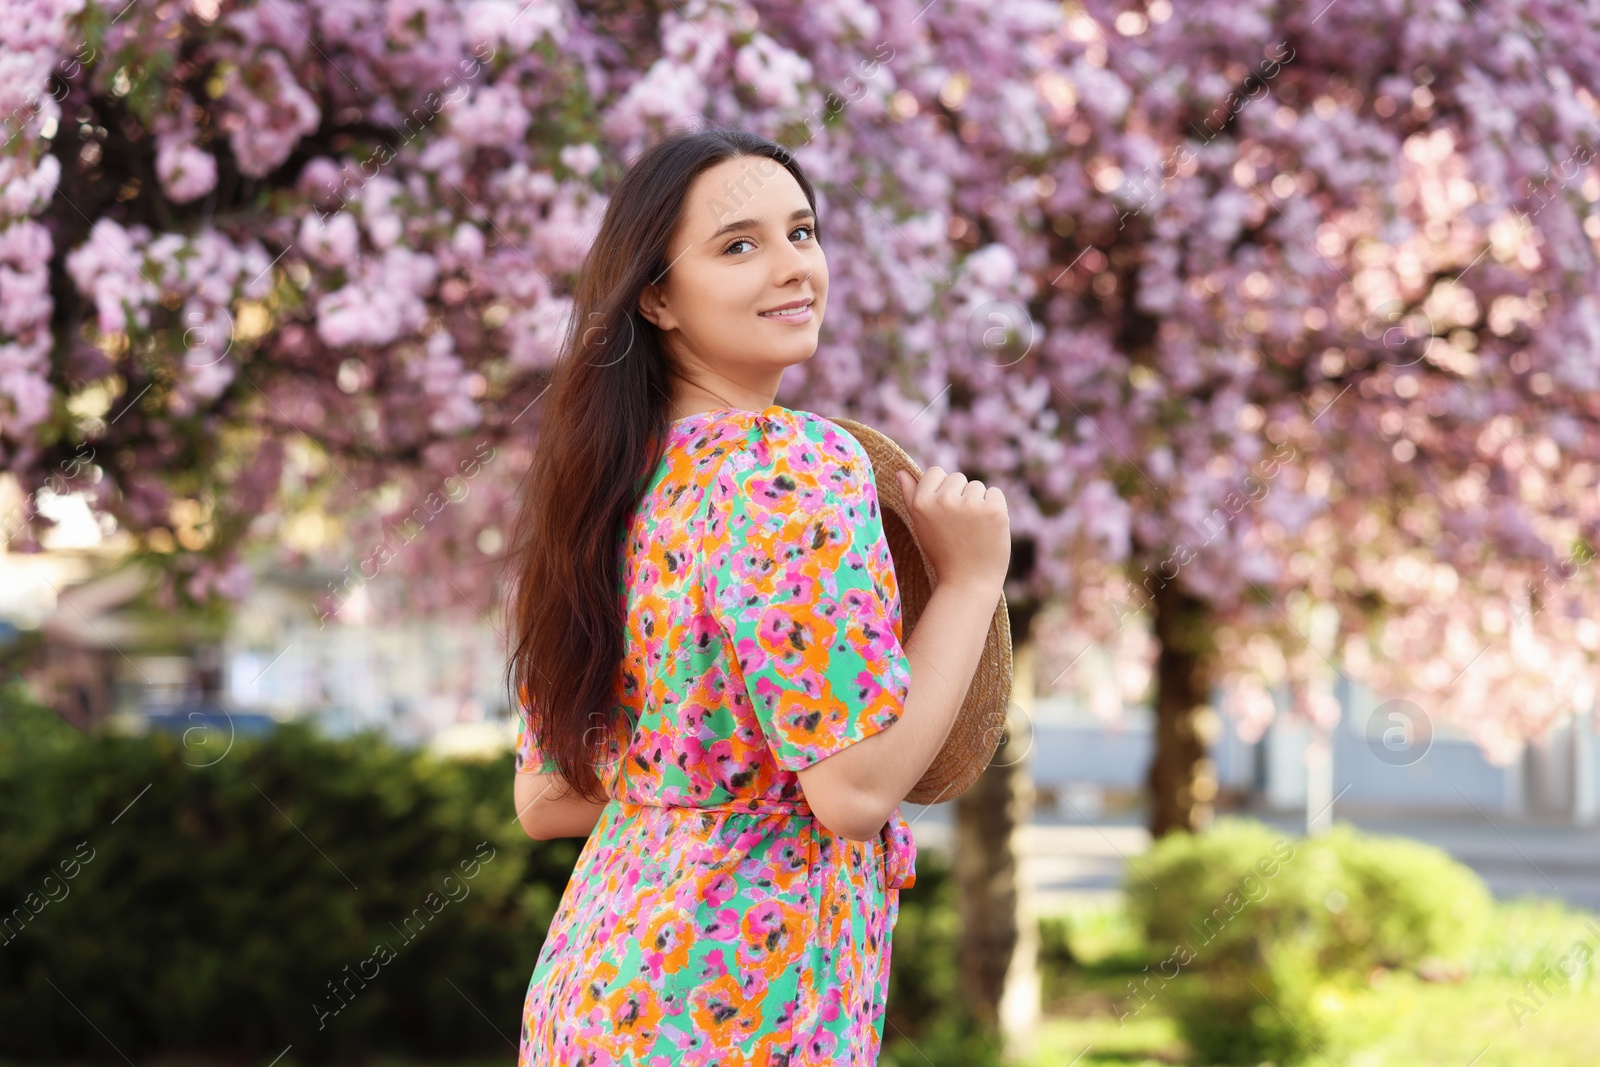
<point>1074,860</point>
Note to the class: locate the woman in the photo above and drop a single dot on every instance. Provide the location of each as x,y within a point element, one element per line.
<point>705,633</point>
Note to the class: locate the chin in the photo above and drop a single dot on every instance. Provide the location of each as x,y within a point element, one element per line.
<point>808,344</point>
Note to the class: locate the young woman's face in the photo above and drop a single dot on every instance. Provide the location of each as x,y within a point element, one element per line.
<point>746,243</point>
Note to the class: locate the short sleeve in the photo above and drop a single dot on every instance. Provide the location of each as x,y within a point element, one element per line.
<point>530,760</point>
<point>799,577</point>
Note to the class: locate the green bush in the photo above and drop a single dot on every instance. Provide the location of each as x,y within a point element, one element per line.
<point>186,903</point>
<point>927,1022</point>
<point>192,905</point>
<point>1263,945</point>
<point>1407,903</point>
<point>1095,934</point>
<point>1187,891</point>
<point>1536,938</point>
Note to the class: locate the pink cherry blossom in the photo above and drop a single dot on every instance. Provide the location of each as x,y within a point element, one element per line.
<point>1308,307</point>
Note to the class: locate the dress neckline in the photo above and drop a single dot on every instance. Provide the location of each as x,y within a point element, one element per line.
<point>769,410</point>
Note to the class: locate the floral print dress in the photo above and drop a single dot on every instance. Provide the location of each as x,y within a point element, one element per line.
<point>710,920</point>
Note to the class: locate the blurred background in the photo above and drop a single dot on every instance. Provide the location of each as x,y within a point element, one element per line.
<point>1276,322</point>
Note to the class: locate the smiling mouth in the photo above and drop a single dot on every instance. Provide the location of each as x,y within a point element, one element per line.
<point>788,312</point>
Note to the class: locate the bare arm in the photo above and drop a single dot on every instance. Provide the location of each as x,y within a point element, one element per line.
<point>547,808</point>
<point>965,531</point>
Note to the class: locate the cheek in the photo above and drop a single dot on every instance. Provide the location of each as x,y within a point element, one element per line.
<point>819,277</point>
<point>711,297</point>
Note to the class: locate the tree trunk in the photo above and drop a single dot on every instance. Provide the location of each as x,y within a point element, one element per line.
<point>1183,778</point>
<point>999,947</point>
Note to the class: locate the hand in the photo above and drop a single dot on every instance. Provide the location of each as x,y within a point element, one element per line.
<point>963,527</point>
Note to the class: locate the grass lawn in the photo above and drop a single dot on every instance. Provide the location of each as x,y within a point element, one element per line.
<point>1468,1023</point>
<point>1434,1023</point>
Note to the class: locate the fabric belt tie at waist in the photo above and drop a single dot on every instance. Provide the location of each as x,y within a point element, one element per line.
<point>899,849</point>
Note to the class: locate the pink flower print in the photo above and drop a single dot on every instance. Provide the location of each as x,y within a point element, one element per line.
<point>721,890</point>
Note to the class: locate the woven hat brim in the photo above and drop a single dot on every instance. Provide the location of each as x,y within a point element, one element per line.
<point>980,721</point>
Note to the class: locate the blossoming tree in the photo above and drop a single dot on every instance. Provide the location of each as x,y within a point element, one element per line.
<point>294,273</point>
<point>1321,342</point>
<point>1263,315</point>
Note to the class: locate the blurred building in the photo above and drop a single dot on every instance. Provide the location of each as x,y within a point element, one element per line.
<point>107,657</point>
<point>1083,763</point>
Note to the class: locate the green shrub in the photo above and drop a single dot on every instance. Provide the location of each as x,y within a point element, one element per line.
<point>927,1021</point>
<point>190,904</point>
<point>1263,945</point>
<point>1095,934</point>
<point>1188,891</point>
<point>203,906</point>
<point>1407,902</point>
<point>1535,938</point>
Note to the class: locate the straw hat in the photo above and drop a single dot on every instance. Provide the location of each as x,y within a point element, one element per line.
<point>976,733</point>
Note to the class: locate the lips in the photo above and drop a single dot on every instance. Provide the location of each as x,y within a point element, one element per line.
<point>790,307</point>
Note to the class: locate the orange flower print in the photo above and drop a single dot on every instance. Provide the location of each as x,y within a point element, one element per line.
<point>711,920</point>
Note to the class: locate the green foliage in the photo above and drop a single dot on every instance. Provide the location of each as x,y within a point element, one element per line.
<point>28,728</point>
<point>1263,946</point>
<point>1284,1011</point>
<point>950,1040</point>
<point>1407,903</point>
<point>927,1020</point>
<point>1188,892</point>
<point>1533,938</point>
<point>209,899</point>
<point>1094,943</point>
<point>1491,1018</point>
<point>1098,935</point>
<point>190,903</point>
<point>1055,944</point>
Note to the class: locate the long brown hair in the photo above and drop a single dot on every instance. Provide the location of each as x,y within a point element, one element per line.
<point>602,433</point>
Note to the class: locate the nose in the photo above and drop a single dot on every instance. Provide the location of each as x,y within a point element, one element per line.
<point>796,267</point>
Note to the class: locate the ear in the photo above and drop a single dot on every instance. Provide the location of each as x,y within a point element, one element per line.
<point>653,306</point>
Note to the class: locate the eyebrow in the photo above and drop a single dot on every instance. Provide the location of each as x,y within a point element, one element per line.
<point>750,224</point>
